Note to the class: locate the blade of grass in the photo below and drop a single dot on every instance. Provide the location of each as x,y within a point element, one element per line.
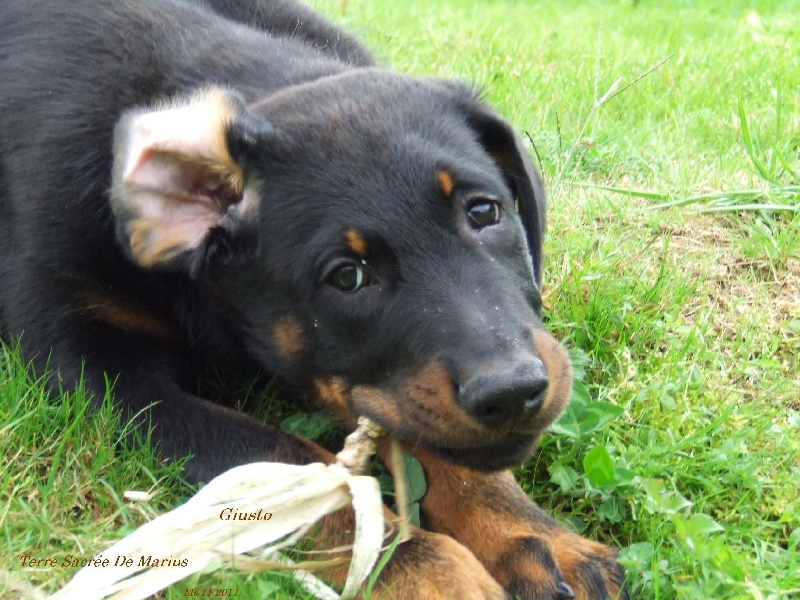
<point>782,159</point>
<point>711,197</point>
<point>750,207</point>
<point>750,146</point>
<point>624,191</point>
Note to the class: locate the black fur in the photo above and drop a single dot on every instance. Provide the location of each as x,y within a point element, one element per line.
<point>331,144</point>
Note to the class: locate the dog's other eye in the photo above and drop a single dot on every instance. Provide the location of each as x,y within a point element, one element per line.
<point>350,277</point>
<point>483,213</point>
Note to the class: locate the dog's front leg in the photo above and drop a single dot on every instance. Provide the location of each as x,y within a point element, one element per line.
<point>526,550</point>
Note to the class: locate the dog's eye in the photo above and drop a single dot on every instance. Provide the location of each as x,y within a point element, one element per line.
<point>350,277</point>
<point>483,213</point>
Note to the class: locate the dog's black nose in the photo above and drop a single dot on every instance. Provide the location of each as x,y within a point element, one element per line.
<point>500,396</point>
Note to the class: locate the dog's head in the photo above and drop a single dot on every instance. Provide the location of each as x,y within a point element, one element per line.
<point>375,237</point>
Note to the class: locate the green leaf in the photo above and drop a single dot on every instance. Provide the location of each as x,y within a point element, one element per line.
<point>794,539</point>
<point>415,478</point>
<point>294,422</point>
<point>267,588</point>
<point>567,425</point>
<point>413,515</point>
<point>701,525</point>
<point>625,476</point>
<point>583,415</point>
<point>596,415</point>
<point>580,361</point>
<point>694,531</point>
<point>672,503</point>
<point>599,466</point>
<point>566,477</point>
<point>637,557</point>
<point>653,487</point>
<point>309,426</point>
<point>609,511</point>
<point>580,394</point>
<point>386,483</point>
<point>659,500</point>
<point>215,564</point>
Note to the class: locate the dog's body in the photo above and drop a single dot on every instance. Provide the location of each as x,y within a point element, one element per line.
<point>192,182</point>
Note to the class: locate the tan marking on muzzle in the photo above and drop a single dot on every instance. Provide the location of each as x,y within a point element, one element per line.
<point>334,393</point>
<point>431,403</point>
<point>379,405</point>
<point>559,372</point>
<point>433,390</point>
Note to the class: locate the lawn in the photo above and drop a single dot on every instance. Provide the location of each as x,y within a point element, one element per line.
<point>668,134</point>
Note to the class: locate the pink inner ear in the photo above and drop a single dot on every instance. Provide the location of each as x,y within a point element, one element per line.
<point>172,175</point>
<point>176,202</point>
<point>174,179</point>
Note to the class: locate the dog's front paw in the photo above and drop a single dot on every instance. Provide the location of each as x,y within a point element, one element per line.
<point>529,553</point>
<point>591,569</point>
<point>563,567</point>
<point>434,567</point>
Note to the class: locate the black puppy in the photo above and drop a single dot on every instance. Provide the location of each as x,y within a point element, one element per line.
<point>184,183</point>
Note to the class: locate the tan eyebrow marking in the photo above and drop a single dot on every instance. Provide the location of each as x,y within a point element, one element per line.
<point>445,182</point>
<point>356,242</point>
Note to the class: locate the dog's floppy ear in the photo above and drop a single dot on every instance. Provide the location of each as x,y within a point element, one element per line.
<point>506,148</point>
<point>179,188</point>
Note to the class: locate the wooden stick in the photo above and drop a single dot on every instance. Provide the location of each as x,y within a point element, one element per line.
<point>359,446</point>
<point>400,490</point>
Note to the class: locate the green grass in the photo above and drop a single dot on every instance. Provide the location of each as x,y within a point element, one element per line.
<point>673,274</point>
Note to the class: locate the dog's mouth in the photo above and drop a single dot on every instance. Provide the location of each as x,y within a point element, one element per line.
<point>421,418</point>
<point>480,450</point>
<point>511,451</point>
<point>428,410</point>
